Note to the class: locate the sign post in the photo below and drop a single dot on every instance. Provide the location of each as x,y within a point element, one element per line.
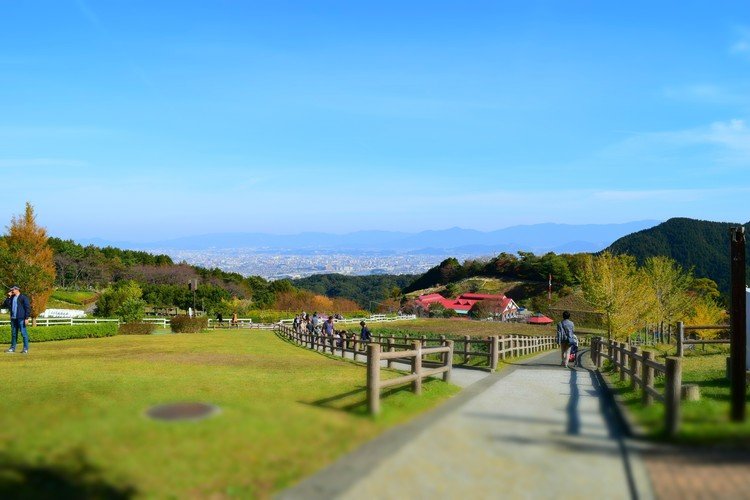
<point>737,314</point>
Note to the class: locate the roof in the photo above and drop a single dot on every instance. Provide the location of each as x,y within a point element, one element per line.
<point>540,319</point>
<point>464,302</point>
<point>480,296</point>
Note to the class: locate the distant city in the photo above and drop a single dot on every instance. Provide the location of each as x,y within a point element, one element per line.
<point>281,266</point>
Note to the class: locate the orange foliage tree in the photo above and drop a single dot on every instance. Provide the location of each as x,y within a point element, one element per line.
<point>304,300</point>
<point>27,260</point>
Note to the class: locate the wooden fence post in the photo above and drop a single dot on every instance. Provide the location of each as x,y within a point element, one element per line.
<point>448,361</point>
<point>615,355</point>
<point>623,360</point>
<point>373,378</point>
<point>680,339</point>
<point>672,395</point>
<point>390,349</point>
<point>502,347</point>
<point>647,377</point>
<point>738,324</point>
<point>634,367</point>
<point>467,346</point>
<point>416,368</point>
<point>493,352</point>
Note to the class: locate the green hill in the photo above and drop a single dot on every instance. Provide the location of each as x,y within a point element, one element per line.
<point>698,244</point>
<point>364,290</point>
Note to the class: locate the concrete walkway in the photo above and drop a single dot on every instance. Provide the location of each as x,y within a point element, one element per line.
<point>535,430</point>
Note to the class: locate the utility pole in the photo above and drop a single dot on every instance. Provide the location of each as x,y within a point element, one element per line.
<point>738,321</point>
<point>193,285</point>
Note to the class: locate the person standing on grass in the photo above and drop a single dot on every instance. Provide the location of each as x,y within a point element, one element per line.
<point>20,311</point>
<point>565,336</point>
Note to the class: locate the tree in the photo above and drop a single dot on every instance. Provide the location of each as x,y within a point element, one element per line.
<point>614,285</point>
<point>112,299</point>
<point>707,312</point>
<point>668,286</point>
<point>485,309</point>
<point>131,310</point>
<point>27,260</point>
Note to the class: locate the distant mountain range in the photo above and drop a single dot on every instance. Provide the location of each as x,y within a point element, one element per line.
<point>698,244</point>
<point>537,238</point>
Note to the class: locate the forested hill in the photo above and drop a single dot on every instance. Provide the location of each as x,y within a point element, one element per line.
<point>702,245</point>
<point>365,290</point>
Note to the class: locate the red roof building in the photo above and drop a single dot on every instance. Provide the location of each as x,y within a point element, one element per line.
<point>507,308</point>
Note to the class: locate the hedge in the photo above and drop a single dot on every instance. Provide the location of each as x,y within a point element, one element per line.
<point>62,332</point>
<point>186,324</point>
<point>137,328</point>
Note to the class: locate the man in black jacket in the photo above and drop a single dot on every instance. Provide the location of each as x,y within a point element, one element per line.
<point>20,310</point>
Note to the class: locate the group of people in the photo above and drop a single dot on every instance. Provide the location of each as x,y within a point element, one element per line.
<point>315,326</point>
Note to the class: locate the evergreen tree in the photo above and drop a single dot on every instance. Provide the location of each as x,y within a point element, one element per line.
<point>27,260</point>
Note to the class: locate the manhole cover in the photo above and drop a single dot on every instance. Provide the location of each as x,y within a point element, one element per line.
<point>182,411</point>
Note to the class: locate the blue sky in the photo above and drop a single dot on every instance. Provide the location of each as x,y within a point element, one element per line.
<point>142,120</point>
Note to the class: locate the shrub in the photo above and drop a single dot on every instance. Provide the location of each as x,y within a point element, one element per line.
<point>131,311</point>
<point>64,332</point>
<point>186,324</point>
<point>137,328</point>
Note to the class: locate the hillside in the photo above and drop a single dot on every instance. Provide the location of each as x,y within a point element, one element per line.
<point>365,290</point>
<point>698,244</point>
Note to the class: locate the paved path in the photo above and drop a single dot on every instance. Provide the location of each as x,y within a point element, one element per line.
<point>535,430</point>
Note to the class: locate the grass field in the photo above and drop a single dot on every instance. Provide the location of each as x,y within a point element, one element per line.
<point>705,421</point>
<point>71,415</point>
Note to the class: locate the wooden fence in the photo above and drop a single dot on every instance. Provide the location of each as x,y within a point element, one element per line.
<point>640,368</point>
<point>411,351</point>
<point>418,372</point>
<point>683,340</point>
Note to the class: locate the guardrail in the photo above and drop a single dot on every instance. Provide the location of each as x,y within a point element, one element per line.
<point>640,369</point>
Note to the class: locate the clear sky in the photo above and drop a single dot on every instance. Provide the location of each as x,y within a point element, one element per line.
<point>144,120</point>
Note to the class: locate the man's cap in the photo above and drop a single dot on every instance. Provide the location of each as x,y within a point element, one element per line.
<point>14,287</point>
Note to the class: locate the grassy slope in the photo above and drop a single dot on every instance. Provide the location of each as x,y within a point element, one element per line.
<point>705,421</point>
<point>87,397</point>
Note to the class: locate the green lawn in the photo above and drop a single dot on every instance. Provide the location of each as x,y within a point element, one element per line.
<point>705,421</point>
<point>76,406</point>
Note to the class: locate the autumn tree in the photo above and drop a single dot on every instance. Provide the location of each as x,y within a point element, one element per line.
<point>669,288</point>
<point>615,286</point>
<point>27,260</point>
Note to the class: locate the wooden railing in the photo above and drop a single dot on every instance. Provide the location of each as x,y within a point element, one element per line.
<point>640,368</point>
<point>418,372</point>
<point>489,350</point>
<point>682,340</point>
<point>411,351</point>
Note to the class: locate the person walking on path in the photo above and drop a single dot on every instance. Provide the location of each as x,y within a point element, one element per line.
<point>20,310</point>
<point>364,333</point>
<point>565,337</point>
